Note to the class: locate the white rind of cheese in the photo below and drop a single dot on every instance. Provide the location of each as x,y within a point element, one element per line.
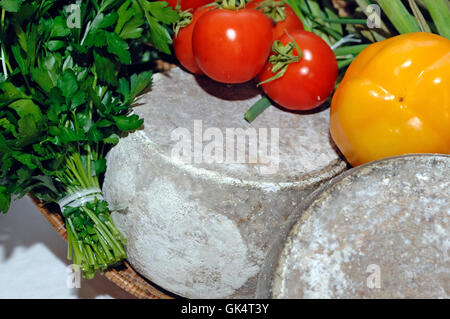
<point>377,231</point>
<point>202,230</point>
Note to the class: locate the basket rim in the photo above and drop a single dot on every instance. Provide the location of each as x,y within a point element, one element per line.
<point>123,276</point>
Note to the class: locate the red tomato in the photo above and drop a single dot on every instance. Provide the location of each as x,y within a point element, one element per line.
<point>290,23</point>
<point>183,44</point>
<point>188,4</point>
<point>308,82</point>
<point>232,46</point>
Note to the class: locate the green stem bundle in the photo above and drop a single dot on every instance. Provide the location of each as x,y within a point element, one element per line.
<point>440,13</point>
<point>94,242</point>
<point>400,17</point>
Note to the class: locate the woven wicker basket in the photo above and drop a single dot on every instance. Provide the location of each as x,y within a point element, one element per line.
<point>124,276</point>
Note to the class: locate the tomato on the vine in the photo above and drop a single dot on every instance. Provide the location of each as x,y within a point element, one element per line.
<point>232,46</point>
<point>289,21</point>
<point>188,4</point>
<point>309,80</point>
<point>182,44</point>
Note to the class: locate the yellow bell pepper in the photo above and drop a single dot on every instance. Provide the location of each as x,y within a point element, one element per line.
<point>394,100</point>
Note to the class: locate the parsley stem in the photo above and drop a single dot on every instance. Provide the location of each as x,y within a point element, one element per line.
<point>88,26</point>
<point>104,245</point>
<point>5,72</point>
<point>3,57</point>
<point>3,18</point>
<point>69,242</point>
<point>115,245</point>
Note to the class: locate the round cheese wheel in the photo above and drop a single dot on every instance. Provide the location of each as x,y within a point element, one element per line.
<point>377,231</point>
<point>205,192</point>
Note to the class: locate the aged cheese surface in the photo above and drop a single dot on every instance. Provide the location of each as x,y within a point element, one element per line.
<point>379,231</point>
<point>199,225</point>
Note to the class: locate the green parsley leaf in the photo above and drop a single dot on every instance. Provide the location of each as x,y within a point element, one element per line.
<point>94,135</point>
<point>159,35</point>
<point>78,99</point>
<point>25,107</point>
<point>119,47</point>
<point>9,92</point>
<point>128,123</point>
<point>28,130</point>
<point>5,199</point>
<point>68,84</point>
<point>105,68</point>
<point>100,166</point>
<point>112,139</point>
<point>11,5</point>
<point>160,11</point>
<point>59,28</point>
<point>24,158</point>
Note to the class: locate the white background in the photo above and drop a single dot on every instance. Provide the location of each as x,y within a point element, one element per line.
<point>33,261</point>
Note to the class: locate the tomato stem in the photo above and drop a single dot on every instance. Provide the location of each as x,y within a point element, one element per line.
<point>231,4</point>
<point>257,109</point>
<point>185,19</point>
<point>284,55</point>
<point>275,10</point>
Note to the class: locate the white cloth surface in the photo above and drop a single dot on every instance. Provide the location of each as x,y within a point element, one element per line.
<point>33,260</point>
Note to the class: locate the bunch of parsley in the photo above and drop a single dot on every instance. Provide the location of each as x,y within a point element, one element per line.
<point>65,99</point>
